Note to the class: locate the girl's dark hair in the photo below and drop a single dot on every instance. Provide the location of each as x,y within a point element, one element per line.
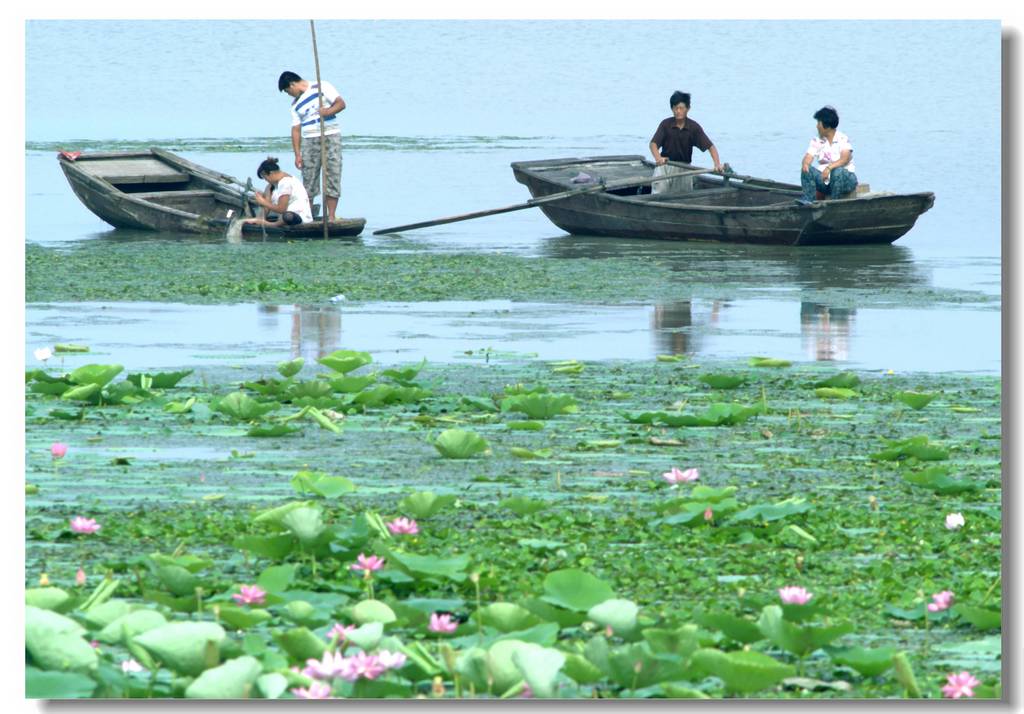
<point>269,165</point>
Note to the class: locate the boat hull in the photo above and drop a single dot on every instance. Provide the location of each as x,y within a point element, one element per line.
<point>734,212</point>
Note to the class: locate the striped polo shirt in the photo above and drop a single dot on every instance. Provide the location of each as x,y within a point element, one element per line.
<point>305,110</point>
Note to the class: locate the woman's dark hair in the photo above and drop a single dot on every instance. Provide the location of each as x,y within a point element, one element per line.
<point>678,97</point>
<point>828,117</point>
<point>286,79</point>
<point>268,166</point>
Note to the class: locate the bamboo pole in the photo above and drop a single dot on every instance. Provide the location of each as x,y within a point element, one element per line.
<point>323,146</point>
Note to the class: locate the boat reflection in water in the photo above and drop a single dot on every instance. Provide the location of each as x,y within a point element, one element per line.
<point>315,329</point>
<point>822,280</point>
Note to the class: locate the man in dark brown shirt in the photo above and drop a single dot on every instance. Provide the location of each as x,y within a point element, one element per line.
<point>677,135</point>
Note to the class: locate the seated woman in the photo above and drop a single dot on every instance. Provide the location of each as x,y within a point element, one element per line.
<point>827,170</point>
<point>284,196</point>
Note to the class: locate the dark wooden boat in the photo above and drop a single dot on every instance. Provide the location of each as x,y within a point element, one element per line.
<point>734,210</point>
<point>157,190</point>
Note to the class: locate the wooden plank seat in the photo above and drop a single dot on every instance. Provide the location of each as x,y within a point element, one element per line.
<point>192,193</point>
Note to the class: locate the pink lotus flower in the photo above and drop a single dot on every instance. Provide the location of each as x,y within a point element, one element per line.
<point>954,521</point>
<point>793,595</point>
<point>363,665</point>
<point>709,515</point>
<point>250,595</point>
<point>130,666</point>
<point>95,644</point>
<point>391,660</point>
<point>959,685</point>
<point>442,622</point>
<point>58,450</point>
<point>80,524</point>
<point>676,477</point>
<point>80,578</point>
<point>340,632</point>
<point>368,564</point>
<point>316,690</point>
<point>332,665</point>
<point>403,526</point>
<point>941,601</point>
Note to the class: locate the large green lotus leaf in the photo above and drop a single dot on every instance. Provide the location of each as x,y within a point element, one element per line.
<point>523,506</point>
<point>48,598</point>
<point>471,666</point>
<point>241,406</point>
<point>290,368</point>
<point>677,691</point>
<point>937,480</point>
<point>460,444</point>
<point>722,381</point>
<point>320,483</point>
<point>351,385</point>
<point>242,618</point>
<point>98,374</point>
<point>56,642</point>
<point>835,393</point>
<point>653,667</point>
<point>344,361</point>
<point>550,613</point>
<point>984,655</point>
<point>272,685</point>
<point>54,388</point>
<point>742,672</point>
<point>272,431</point>
<point>231,680</point>
<point>177,580</point>
<point>540,406</point>
<point>771,511</point>
<point>373,611</point>
<point>305,523</point>
<point>867,662</point>
<point>304,613</point>
<point>506,617</point>
<point>404,376</point>
<point>453,568</point>
<point>300,643</point>
<point>735,628</point>
<point>800,640</point>
<point>682,641</point>
<point>277,578</point>
<point>101,615</point>
<point>128,626</point>
<point>915,400</point>
<point>40,684</point>
<point>769,362</point>
<point>367,636</point>
<point>539,667</point>
<point>981,617</point>
<point>161,380</point>
<point>313,389</point>
<point>83,393</point>
<point>711,495</point>
<point>274,547</point>
<point>620,615</point>
<point>500,665</point>
<point>843,380</point>
<point>581,670</point>
<point>191,563</point>
<point>183,646</point>
<point>544,634</point>
<point>917,447</point>
<point>277,514</point>
<point>575,589</point>
<point>424,504</point>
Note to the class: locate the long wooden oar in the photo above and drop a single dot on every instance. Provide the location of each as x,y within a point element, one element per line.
<point>551,198</point>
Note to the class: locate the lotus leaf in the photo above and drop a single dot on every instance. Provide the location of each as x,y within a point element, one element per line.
<point>742,672</point>
<point>540,406</point>
<point>231,680</point>
<point>98,374</point>
<point>915,400</point>
<point>722,381</point>
<point>56,642</point>
<point>981,617</point>
<point>835,393</point>
<point>367,611</point>
<point>867,662</point>
<point>40,684</point>
<point>937,480</point>
<point>797,639</point>
<point>243,407</point>
<point>290,368</point>
<point>345,361</point>
<point>366,637</point>
<point>186,647</point>
<point>620,615</point>
<point>161,380</point>
<point>300,643</point>
<point>735,628</point>
<point>424,504</point>
<point>575,590</point>
<point>539,667</point>
<point>46,598</point>
<point>430,566</point>
<point>523,506</point>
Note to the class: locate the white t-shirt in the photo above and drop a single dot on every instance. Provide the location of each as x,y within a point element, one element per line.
<point>306,110</point>
<point>825,152</point>
<point>298,199</point>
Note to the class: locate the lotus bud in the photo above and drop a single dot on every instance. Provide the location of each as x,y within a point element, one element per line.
<point>437,689</point>
<point>44,580</point>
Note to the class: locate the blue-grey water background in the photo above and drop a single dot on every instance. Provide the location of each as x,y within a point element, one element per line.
<point>438,109</point>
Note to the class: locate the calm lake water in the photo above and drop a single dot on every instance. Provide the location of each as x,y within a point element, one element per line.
<point>438,110</point>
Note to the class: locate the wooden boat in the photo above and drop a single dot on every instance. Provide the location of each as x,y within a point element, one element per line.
<point>728,209</point>
<point>157,190</point>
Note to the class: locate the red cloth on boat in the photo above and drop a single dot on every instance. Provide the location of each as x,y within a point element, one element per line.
<point>70,155</point>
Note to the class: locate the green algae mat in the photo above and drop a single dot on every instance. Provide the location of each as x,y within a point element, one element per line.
<point>513,528</point>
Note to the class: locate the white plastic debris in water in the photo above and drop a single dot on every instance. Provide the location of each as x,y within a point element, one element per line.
<point>338,298</point>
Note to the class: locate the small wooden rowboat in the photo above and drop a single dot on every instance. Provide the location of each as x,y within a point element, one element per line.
<point>159,191</point>
<point>730,209</point>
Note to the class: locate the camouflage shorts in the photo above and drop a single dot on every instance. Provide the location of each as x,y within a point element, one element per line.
<point>311,165</point>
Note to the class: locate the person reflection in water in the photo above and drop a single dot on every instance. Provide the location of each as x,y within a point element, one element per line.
<point>316,331</point>
<point>672,323</point>
<point>825,331</point>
